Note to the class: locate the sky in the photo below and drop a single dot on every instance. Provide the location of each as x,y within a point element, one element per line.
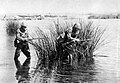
<point>59,6</point>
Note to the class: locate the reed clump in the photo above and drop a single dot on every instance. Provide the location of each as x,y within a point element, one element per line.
<point>48,46</point>
<point>91,38</point>
<point>93,33</point>
<point>11,27</point>
<point>45,46</point>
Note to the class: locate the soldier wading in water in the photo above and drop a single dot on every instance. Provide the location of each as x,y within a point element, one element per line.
<point>21,42</point>
<point>65,43</point>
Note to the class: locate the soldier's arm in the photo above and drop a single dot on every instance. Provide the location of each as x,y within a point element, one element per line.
<point>26,37</point>
<point>18,36</point>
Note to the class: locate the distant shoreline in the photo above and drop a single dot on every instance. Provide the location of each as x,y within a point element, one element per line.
<point>104,16</point>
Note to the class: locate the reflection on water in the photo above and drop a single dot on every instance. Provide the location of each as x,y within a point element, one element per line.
<point>84,73</point>
<point>22,73</point>
<point>65,73</point>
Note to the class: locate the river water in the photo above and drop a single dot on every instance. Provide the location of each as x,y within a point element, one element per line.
<point>105,69</point>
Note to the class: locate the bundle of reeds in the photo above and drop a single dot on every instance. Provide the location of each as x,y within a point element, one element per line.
<point>47,45</point>
<point>90,34</point>
<point>11,27</point>
<point>44,46</point>
<point>93,33</point>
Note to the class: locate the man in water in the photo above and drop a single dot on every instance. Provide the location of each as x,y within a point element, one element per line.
<point>22,42</point>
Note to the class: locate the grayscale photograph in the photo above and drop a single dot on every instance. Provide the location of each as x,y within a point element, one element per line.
<point>59,41</point>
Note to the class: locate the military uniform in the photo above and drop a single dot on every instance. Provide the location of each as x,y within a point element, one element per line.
<point>22,42</point>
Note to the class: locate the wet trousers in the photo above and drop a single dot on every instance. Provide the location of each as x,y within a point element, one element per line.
<point>24,48</point>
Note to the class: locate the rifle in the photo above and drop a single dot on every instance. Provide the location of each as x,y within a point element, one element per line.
<point>34,39</point>
<point>30,40</point>
<point>75,40</point>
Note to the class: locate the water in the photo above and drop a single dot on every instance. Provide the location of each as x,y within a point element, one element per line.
<point>102,70</point>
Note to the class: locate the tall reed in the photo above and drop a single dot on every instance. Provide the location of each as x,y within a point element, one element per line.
<point>47,45</point>
<point>89,33</point>
<point>94,34</point>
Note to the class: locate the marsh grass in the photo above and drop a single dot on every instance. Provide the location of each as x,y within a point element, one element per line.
<point>11,27</point>
<point>87,32</point>
<point>47,45</point>
<point>94,33</point>
<point>44,46</point>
